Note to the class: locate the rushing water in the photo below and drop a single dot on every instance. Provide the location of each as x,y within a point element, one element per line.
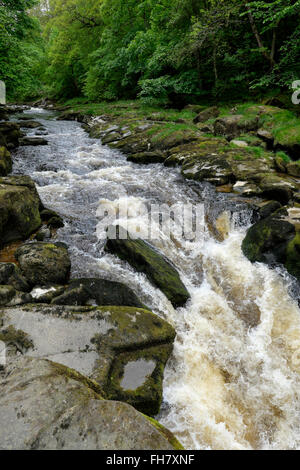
<point>231,383</point>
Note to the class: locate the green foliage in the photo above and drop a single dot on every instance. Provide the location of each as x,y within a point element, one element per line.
<point>21,49</point>
<point>166,52</point>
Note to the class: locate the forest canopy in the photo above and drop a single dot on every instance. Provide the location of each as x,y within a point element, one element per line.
<point>157,50</point>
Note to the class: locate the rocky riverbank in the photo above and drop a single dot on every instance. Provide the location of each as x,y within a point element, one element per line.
<point>251,152</point>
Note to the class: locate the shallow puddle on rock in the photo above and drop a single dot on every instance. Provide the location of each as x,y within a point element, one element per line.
<point>136,373</point>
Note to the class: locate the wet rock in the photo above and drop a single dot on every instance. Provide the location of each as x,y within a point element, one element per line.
<point>10,132</point>
<point>247,189</point>
<point>44,263</point>
<point>47,214</point>
<point>216,170</point>
<point>102,343</point>
<point>76,296</point>
<point>3,113</point>
<point>56,222</point>
<point>147,157</point>
<point>43,234</point>
<point>268,209</point>
<point>6,294</point>
<point>10,274</point>
<point>49,406</point>
<point>207,114</point>
<point>5,161</point>
<point>30,124</point>
<point>145,258</point>
<point>33,141</point>
<point>102,292</point>
<point>19,209</point>
<point>280,164</point>
<point>45,294</point>
<point>205,128</point>
<point>276,188</point>
<point>274,240</point>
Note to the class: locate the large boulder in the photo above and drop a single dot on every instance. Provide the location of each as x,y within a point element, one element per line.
<point>124,349</point>
<point>214,169</point>
<point>146,259</point>
<point>10,132</point>
<point>44,263</point>
<point>29,124</point>
<point>19,209</point>
<point>33,141</point>
<point>48,406</point>
<point>5,161</point>
<point>274,240</point>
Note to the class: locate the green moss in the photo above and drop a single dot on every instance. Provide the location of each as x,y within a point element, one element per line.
<point>292,263</point>
<point>10,335</point>
<point>166,433</point>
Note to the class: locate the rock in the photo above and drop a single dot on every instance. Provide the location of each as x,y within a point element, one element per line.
<point>145,258</point>
<point>42,234</point>
<point>47,214</point>
<point>246,189</point>
<point>56,222</point>
<point>6,294</point>
<point>33,141</point>
<point>267,240</point>
<point>268,209</point>
<point>102,292</point>
<point>194,108</point>
<point>266,136</point>
<point>292,259</point>
<point>5,161</point>
<point>10,274</point>
<point>45,294</point>
<point>44,263</point>
<point>49,406</point>
<point>214,169</point>
<point>10,132</point>
<point>280,164</point>
<point>232,126</point>
<point>147,157</point>
<point>30,124</point>
<point>293,169</point>
<point>104,343</point>
<point>207,114</point>
<point>19,209</point>
<point>276,188</point>
<point>3,114</point>
<point>205,128</point>
<point>239,143</point>
<point>76,296</point>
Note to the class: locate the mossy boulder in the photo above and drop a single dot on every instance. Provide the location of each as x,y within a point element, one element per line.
<point>44,263</point>
<point>19,210</point>
<point>5,161</point>
<point>29,124</point>
<point>33,141</point>
<point>146,259</point>
<point>96,292</point>
<point>124,349</point>
<point>10,132</point>
<point>49,406</point>
<point>10,274</point>
<point>293,169</point>
<point>234,125</point>
<point>274,240</point>
<point>276,188</point>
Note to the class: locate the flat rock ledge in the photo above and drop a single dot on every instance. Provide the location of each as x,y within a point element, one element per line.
<point>123,349</point>
<point>45,405</point>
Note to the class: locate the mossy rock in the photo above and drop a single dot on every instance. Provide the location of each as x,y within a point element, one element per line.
<point>292,262</point>
<point>44,263</point>
<point>19,212</point>
<point>267,240</point>
<point>146,259</point>
<point>5,161</point>
<point>213,169</point>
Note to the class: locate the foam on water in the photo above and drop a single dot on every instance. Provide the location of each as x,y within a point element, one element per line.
<point>233,380</point>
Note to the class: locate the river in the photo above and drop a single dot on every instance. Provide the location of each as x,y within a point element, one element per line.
<point>231,383</point>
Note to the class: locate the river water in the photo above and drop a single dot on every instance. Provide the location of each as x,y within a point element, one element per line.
<point>232,383</point>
